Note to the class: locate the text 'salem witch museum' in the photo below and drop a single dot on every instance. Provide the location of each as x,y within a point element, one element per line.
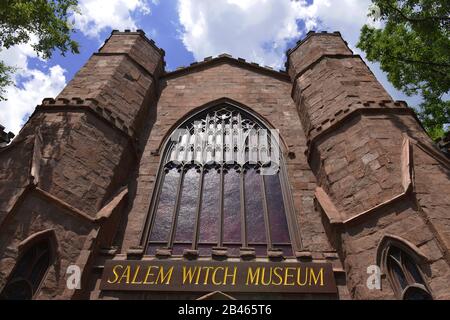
<point>224,179</point>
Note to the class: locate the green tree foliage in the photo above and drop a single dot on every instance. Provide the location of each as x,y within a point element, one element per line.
<point>46,19</point>
<point>413,47</point>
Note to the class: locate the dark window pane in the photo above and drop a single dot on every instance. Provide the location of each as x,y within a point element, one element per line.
<point>279,231</point>
<point>413,270</point>
<point>163,218</point>
<point>209,217</point>
<point>256,231</point>
<point>23,267</point>
<point>17,290</point>
<point>28,273</point>
<point>397,273</point>
<point>395,253</point>
<point>413,293</point>
<point>39,269</point>
<point>232,208</point>
<point>188,206</point>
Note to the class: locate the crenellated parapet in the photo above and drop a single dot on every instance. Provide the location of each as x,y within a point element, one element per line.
<point>314,47</point>
<point>89,105</point>
<point>122,76</point>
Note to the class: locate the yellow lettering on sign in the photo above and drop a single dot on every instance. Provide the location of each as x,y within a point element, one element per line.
<point>316,279</point>
<point>125,275</point>
<point>276,273</point>
<point>263,277</point>
<point>216,275</point>
<point>135,276</point>
<point>189,273</point>
<point>162,277</point>
<point>116,275</point>
<point>214,281</point>
<point>299,275</point>
<point>233,275</point>
<point>252,276</point>
<point>148,275</point>
<point>287,276</point>
<point>207,274</point>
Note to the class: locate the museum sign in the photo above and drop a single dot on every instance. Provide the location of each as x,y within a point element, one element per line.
<point>193,276</point>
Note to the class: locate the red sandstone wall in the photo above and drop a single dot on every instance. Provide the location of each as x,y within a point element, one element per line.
<point>87,149</point>
<point>265,95</point>
<point>355,135</point>
<point>15,163</point>
<point>36,214</point>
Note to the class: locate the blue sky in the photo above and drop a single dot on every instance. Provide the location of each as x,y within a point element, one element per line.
<point>188,30</point>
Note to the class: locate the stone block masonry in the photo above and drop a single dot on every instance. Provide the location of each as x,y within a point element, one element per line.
<point>361,171</point>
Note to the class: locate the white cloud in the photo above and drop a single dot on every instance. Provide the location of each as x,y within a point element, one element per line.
<point>348,16</point>
<point>31,86</point>
<point>252,29</point>
<point>259,30</point>
<point>96,15</point>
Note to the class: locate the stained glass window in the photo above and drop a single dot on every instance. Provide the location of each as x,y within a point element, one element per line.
<point>405,276</point>
<point>28,273</point>
<point>215,188</point>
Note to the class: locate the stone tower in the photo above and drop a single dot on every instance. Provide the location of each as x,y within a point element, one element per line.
<point>377,171</point>
<point>67,171</point>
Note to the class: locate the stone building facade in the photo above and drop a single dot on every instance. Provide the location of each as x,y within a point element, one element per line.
<point>87,179</point>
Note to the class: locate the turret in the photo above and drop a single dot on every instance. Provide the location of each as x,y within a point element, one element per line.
<point>365,150</point>
<point>351,123</point>
<point>90,131</point>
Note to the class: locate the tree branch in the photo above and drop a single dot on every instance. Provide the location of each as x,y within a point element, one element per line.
<point>411,19</point>
<point>429,63</point>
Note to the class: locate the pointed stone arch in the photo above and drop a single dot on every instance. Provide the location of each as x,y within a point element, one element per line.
<point>221,101</point>
<point>35,256</point>
<point>223,118</point>
<point>404,244</point>
<point>403,264</point>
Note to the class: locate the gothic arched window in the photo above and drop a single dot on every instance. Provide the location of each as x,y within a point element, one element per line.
<point>28,273</point>
<point>405,276</point>
<point>221,184</point>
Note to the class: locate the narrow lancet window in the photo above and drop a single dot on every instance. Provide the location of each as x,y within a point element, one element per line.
<point>405,276</point>
<point>28,273</point>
